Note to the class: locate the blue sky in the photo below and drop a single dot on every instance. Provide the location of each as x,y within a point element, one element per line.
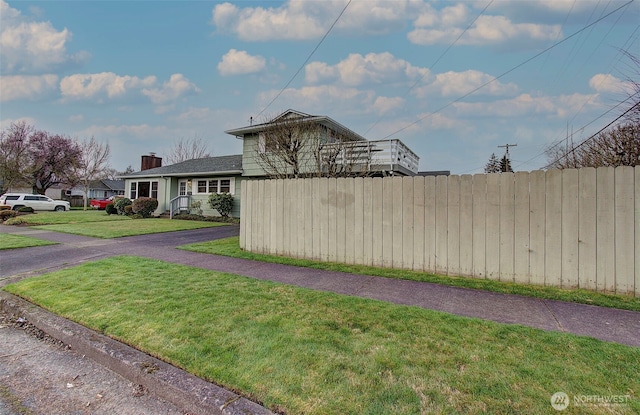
<point>140,75</point>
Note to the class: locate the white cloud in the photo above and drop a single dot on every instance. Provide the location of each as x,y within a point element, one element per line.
<point>446,25</point>
<point>15,87</point>
<point>456,84</point>
<point>104,86</point>
<point>357,70</point>
<point>238,62</point>
<point>32,47</point>
<point>384,105</point>
<point>101,85</point>
<point>76,118</point>
<point>8,121</point>
<point>321,99</point>
<point>177,86</point>
<point>304,20</point>
<point>526,105</point>
<point>608,83</point>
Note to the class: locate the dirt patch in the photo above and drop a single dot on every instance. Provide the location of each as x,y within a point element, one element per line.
<point>41,375</point>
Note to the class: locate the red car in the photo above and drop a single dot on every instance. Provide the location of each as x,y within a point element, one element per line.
<point>101,204</point>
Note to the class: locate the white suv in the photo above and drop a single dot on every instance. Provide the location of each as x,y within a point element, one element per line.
<point>36,202</point>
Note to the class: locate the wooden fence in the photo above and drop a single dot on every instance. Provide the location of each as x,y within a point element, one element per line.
<point>564,228</point>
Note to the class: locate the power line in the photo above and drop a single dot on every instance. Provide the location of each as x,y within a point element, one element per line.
<point>508,71</point>
<point>307,60</point>
<point>592,137</point>
<point>439,57</point>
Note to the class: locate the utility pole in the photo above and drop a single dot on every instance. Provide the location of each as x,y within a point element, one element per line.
<point>505,164</point>
<point>506,146</point>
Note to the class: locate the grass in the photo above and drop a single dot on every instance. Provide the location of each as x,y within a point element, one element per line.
<point>8,241</point>
<point>96,223</point>
<point>302,351</point>
<point>230,247</point>
<point>130,227</point>
<point>73,216</point>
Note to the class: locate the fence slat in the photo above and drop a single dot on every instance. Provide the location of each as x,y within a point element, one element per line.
<point>358,221</point>
<point>605,232</point>
<point>570,238</point>
<point>493,227</point>
<point>418,223</point>
<point>466,225</point>
<point>332,198</point>
<point>378,220</point>
<point>479,225</point>
<point>587,228</point>
<point>625,239</point>
<point>441,225</point>
<point>553,231</point>
<point>325,222</point>
<point>407,222</point>
<point>507,226</point>
<point>537,226</point>
<point>522,229</point>
<point>453,225</point>
<point>396,221</point>
<point>430,224</point>
<point>368,230</point>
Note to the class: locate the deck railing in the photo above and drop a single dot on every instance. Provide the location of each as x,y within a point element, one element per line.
<point>375,156</point>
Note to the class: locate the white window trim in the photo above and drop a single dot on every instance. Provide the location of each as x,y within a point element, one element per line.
<point>232,185</point>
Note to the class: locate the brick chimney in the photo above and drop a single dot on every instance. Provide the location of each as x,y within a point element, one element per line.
<point>150,162</point>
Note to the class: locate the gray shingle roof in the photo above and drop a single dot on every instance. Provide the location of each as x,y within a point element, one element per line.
<point>195,166</point>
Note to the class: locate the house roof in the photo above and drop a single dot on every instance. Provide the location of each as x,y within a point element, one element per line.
<point>107,184</point>
<point>293,114</point>
<point>207,165</point>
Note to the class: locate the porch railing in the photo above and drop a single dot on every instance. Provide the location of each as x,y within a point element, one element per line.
<point>179,204</point>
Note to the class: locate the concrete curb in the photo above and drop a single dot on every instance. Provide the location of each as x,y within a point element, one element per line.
<point>188,392</point>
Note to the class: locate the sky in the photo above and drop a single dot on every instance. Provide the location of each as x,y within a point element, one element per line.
<point>452,80</point>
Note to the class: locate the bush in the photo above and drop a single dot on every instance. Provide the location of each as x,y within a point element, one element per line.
<point>196,208</point>
<point>110,209</point>
<point>120,204</point>
<point>222,202</point>
<point>25,209</point>
<point>144,206</point>
<point>7,214</point>
<point>128,210</point>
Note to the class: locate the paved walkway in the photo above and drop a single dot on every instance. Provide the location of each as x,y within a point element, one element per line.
<point>602,323</point>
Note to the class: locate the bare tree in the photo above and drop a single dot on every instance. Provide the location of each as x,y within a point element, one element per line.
<point>293,147</point>
<point>618,146</point>
<point>94,164</point>
<point>187,149</point>
<point>14,155</point>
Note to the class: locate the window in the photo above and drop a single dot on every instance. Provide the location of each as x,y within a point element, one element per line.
<point>208,186</point>
<point>225,186</point>
<point>143,189</point>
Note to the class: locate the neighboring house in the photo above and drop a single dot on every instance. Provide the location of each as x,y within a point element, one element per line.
<point>378,158</point>
<point>177,186</point>
<point>105,188</point>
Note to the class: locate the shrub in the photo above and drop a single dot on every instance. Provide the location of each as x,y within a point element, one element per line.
<point>120,204</point>
<point>222,202</point>
<point>196,208</point>
<point>16,221</point>
<point>25,209</point>
<point>110,209</point>
<point>7,214</point>
<point>128,210</point>
<point>144,206</point>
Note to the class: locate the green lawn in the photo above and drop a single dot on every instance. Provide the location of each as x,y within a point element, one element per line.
<point>304,351</point>
<point>8,241</point>
<point>230,247</point>
<point>73,216</point>
<point>129,227</point>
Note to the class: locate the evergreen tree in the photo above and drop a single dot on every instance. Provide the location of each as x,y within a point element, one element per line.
<point>493,166</point>
<point>505,165</point>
